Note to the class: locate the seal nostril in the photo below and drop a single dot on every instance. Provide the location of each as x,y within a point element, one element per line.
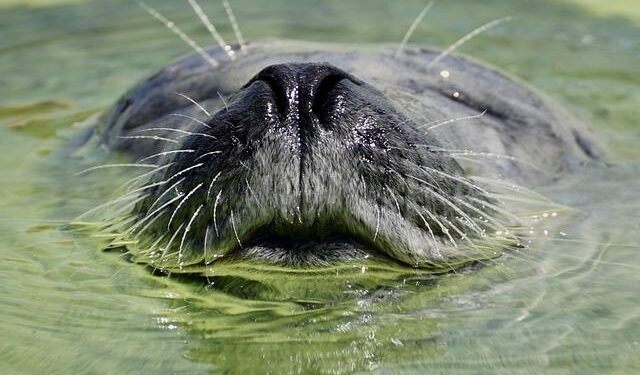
<point>279,94</point>
<point>323,92</point>
<point>302,89</point>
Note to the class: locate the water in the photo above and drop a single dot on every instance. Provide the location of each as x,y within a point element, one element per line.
<point>569,304</point>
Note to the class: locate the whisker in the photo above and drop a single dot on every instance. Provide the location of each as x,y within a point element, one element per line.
<point>186,198</point>
<point>233,224</point>
<point>462,234</point>
<point>115,226</point>
<point>178,131</point>
<point>130,183</point>
<point>155,244</point>
<point>142,188</point>
<point>206,242</point>
<point>496,208</point>
<point>105,166</point>
<point>234,25</point>
<point>215,210</point>
<point>226,106</point>
<point>207,154</point>
<point>212,29</point>
<point>186,231</point>
<point>166,249</point>
<point>154,137</point>
<point>471,224</point>
<point>176,30</point>
<point>522,199</point>
<point>213,181</point>
<point>433,237</point>
<point>463,155</point>
<point>148,225</point>
<point>165,192</point>
<point>481,213</point>
<point>99,207</point>
<point>253,194</point>
<point>375,235</point>
<point>512,187</point>
<point>394,199</point>
<point>145,227</point>
<point>152,214</point>
<point>443,228</point>
<point>165,153</point>
<point>434,125</point>
<point>246,167</point>
<point>461,180</point>
<point>184,171</point>
<point>191,118</point>
<point>466,38</point>
<point>412,28</point>
<point>200,107</point>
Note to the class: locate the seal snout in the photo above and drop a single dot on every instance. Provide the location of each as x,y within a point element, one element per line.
<point>305,165</point>
<point>307,162</point>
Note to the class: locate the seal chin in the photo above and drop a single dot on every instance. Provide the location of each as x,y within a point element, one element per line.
<point>308,165</point>
<point>307,252</point>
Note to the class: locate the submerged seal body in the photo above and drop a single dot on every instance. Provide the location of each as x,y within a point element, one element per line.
<point>303,154</point>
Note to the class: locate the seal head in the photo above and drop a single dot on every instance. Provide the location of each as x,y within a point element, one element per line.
<point>306,163</point>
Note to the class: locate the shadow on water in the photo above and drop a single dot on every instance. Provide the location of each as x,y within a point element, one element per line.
<point>565,305</point>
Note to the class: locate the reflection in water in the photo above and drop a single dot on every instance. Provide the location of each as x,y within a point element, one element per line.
<point>565,303</point>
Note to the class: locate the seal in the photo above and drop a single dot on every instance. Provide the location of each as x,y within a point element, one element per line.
<point>305,154</point>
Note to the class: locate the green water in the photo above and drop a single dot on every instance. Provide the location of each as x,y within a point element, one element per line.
<point>569,304</point>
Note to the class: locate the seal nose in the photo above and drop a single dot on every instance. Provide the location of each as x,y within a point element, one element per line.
<point>301,89</point>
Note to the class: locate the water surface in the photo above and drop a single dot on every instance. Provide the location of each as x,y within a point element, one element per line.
<point>567,304</point>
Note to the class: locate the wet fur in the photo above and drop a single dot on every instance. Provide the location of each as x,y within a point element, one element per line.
<point>470,119</point>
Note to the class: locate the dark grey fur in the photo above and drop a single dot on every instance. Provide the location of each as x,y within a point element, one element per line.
<point>357,175</point>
